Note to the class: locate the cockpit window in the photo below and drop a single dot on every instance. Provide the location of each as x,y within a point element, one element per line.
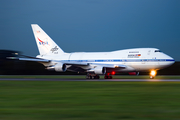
<point>157,51</point>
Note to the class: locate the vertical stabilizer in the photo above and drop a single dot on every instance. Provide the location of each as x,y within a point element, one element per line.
<point>45,44</point>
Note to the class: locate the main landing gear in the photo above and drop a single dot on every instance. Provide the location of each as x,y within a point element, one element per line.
<point>95,76</point>
<point>108,76</point>
<point>92,76</point>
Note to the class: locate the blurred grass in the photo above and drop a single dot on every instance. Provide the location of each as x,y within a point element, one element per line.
<point>84,76</point>
<point>47,100</point>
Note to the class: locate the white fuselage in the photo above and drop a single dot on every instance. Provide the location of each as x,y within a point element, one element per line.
<point>139,59</point>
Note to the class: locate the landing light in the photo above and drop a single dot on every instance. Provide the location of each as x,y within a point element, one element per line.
<point>116,66</point>
<point>153,73</point>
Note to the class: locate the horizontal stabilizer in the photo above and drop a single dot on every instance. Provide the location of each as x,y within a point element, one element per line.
<point>35,60</point>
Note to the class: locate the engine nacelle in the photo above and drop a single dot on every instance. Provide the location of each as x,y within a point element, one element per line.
<point>60,67</point>
<point>98,70</point>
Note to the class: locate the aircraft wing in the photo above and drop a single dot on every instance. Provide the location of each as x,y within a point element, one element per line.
<point>95,64</point>
<point>109,65</point>
<point>47,61</point>
<point>84,67</point>
<point>73,66</point>
<point>76,63</point>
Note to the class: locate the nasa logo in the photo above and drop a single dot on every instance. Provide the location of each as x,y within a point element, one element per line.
<point>42,42</point>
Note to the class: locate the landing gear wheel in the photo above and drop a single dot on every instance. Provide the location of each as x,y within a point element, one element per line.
<point>151,77</point>
<point>107,77</point>
<point>92,76</point>
<point>96,77</point>
<point>88,76</point>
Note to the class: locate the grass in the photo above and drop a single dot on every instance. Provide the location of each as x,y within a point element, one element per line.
<point>83,76</point>
<point>47,100</point>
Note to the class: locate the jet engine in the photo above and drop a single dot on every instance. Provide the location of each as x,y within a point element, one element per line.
<point>98,70</point>
<point>59,67</point>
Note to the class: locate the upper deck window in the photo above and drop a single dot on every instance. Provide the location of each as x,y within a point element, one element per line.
<point>157,51</point>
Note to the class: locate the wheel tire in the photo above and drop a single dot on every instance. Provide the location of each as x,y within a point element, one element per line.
<point>151,77</point>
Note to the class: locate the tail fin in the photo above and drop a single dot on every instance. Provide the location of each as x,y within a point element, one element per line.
<point>45,44</point>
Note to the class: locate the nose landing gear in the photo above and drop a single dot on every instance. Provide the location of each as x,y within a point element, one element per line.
<point>153,74</point>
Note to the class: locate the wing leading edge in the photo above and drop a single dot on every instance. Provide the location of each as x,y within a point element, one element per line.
<point>74,66</point>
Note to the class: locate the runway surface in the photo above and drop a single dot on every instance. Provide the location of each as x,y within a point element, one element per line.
<point>99,80</point>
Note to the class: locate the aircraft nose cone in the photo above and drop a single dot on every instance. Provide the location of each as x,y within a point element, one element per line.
<point>170,60</point>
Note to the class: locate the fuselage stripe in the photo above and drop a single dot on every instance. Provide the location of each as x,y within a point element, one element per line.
<point>122,60</point>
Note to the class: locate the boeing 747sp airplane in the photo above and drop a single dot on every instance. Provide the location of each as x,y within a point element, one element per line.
<point>96,63</point>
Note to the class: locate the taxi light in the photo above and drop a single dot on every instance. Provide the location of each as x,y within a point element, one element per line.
<point>116,66</point>
<point>153,73</point>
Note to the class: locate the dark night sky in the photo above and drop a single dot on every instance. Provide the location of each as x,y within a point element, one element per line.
<point>92,25</point>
